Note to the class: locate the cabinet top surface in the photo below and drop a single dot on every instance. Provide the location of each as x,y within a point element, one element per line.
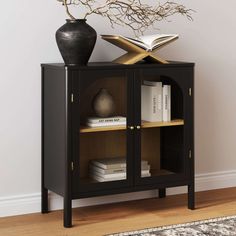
<point>109,65</point>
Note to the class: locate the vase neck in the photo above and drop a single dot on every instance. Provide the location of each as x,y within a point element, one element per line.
<point>75,20</point>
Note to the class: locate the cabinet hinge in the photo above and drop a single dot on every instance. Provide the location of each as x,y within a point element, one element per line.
<point>72,165</point>
<point>72,98</point>
<point>190,92</point>
<point>190,154</point>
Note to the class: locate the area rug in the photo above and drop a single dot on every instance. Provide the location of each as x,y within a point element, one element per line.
<point>223,226</point>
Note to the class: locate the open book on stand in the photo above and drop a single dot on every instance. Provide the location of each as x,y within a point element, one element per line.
<point>150,42</point>
<point>142,48</point>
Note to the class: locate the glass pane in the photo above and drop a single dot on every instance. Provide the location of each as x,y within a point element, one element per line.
<point>162,151</point>
<point>103,121</point>
<point>161,127</point>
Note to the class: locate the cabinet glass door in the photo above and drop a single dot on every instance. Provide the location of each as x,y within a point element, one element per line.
<point>104,157</point>
<point>160,127</point>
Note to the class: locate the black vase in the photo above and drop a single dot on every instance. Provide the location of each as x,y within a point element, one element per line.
<point>76,40</point>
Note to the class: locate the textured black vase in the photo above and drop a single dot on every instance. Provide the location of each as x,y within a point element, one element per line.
<point>76,40</point>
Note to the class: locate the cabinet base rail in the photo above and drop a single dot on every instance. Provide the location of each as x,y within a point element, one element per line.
<point>67,208</point>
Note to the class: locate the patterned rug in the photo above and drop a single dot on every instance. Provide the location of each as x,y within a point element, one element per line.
<point>214,227</point>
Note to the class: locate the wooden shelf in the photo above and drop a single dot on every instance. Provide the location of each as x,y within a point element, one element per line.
<point>145,124</point>
<point>160,172</point>
<point>86,129</point>
<point>89,180</point>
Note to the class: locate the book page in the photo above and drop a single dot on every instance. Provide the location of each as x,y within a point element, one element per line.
<point>159,43</point>
<point>134,41</point>
<point>156,39</point>
<point>149,42</point>
<point>137,42</point>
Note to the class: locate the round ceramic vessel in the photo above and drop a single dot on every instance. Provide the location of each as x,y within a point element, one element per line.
<point>76,40</point>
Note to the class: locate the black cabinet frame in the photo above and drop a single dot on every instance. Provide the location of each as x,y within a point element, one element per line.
<point>61,87</point>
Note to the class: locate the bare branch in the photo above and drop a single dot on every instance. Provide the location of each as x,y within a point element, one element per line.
<point>134,14</point>
<point>66,3</point>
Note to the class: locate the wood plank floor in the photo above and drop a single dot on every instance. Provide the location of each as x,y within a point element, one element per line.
<point>104,219</point>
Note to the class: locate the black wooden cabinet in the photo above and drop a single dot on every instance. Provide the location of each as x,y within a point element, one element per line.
<point>68,144</point>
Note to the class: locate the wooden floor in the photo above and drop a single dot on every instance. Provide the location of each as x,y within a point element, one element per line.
<point>100,220</point>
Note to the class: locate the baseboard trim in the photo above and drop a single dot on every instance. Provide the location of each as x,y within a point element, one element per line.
<point>31,203</point>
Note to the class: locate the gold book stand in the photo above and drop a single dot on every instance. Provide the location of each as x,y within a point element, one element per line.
<point>134,52</point>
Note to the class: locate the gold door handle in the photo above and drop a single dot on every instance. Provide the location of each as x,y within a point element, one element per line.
<point>131,127</point>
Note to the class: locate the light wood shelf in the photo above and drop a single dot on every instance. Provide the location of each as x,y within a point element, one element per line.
<point>145,124</point>
<point>161,172</point>
<point>86,129</point>
<point>89,180</point>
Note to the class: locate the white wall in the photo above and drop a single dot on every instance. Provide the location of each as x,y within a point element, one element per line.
<point>27,39</point>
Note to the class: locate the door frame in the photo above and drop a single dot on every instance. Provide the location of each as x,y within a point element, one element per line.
<point>77,77</point>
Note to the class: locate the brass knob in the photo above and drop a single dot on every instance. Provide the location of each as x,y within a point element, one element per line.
<point>131,127</point>
<point>138,127</point>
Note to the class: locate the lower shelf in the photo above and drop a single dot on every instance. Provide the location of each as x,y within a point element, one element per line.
<point>92,181</point>
<point>154,173</point>
<point>161,172</point>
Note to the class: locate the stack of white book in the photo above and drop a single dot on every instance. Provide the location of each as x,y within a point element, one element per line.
<point>109,121</point>
<point>145,169</point>
<point>111,169</point>
<point>156,101</point>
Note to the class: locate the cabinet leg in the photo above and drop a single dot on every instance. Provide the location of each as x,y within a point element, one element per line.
<point>44,200</point>
<point>191,197</point>
<point>162,192</point>
<point>67,213</point>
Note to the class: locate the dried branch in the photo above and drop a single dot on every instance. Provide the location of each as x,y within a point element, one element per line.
<point>66,3</point>
<point>131,13</point>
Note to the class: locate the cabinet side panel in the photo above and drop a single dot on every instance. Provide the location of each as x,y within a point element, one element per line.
<point>54,130</point>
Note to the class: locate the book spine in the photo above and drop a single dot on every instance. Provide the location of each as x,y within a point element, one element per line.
<point>145,167</point>
<point>114,176</point>
<point>169,104</point>
<point>148,103</point>
<point>145,172</point>
<point>152,83</point>
<point>158,91</point>
<point>106,124</point>
<point>94,120</point>
<point>94,168</point>
<point>112,166</point>
<point>117,166</point>
<point>108,176</point>
<point>151,103</point>
<point>145,175</point>
<point>166,102</point>
<point>154,104</point>
<point>100,179</point>
<point>144,162</point>
<point>145,103</point>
